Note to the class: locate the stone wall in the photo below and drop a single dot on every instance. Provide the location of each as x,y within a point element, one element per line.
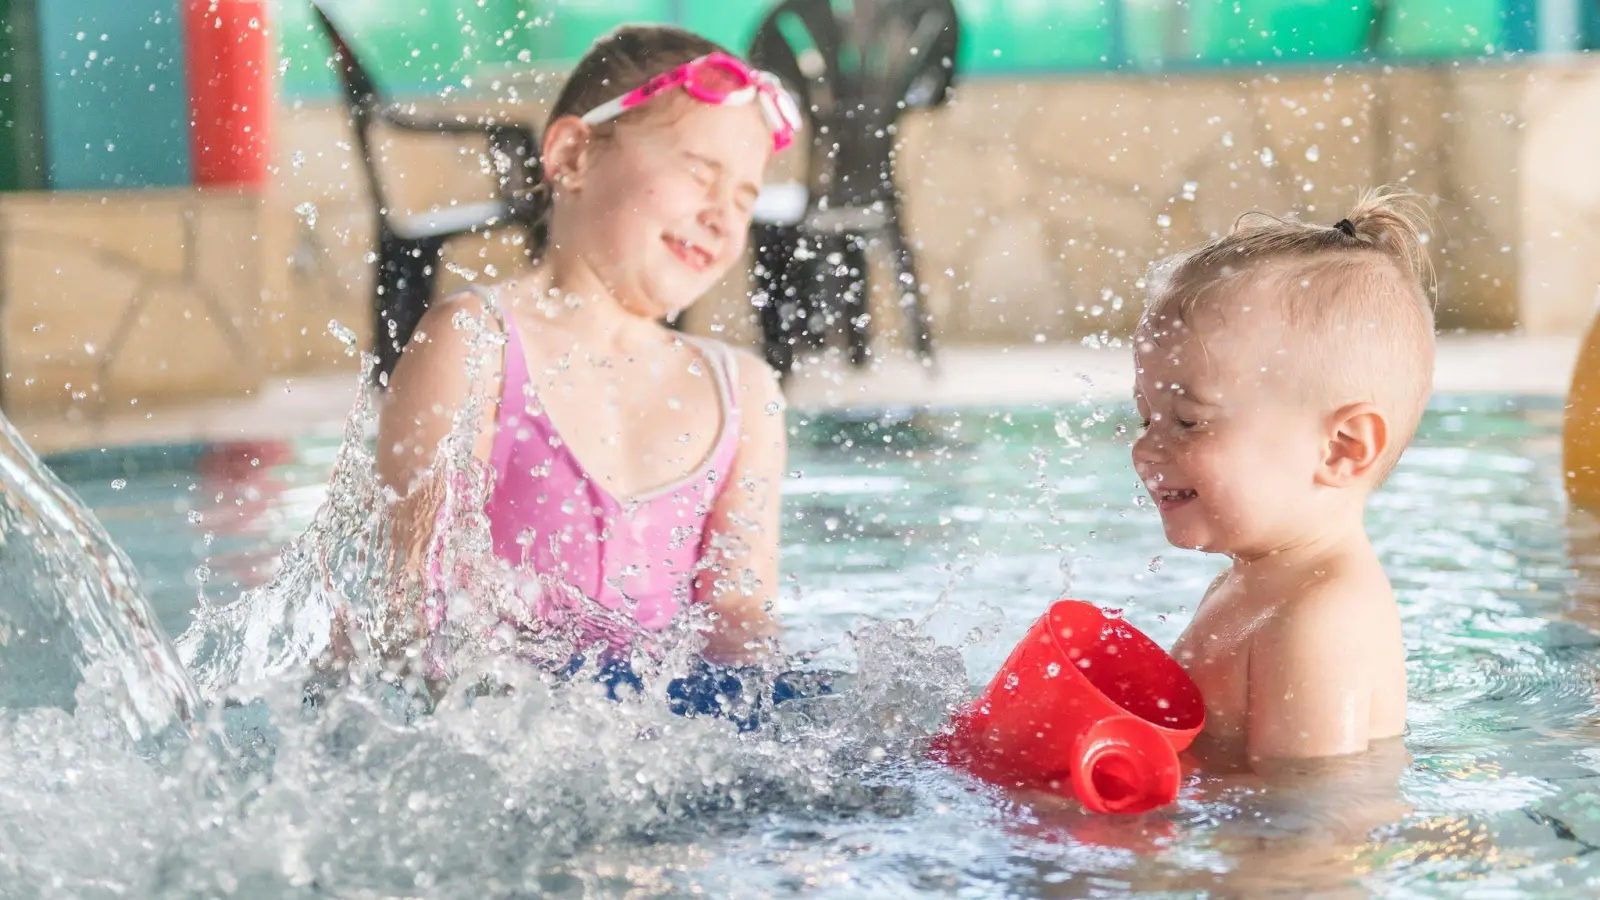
<point>129,297</point>
<point>1037,205</point>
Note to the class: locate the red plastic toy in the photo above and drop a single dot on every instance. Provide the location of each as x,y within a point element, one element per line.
<point>1087,700</point>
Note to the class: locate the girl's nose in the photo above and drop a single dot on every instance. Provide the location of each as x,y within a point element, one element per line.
<point>714,216</point>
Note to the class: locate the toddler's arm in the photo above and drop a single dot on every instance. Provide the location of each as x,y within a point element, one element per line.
<point>1310,680</point>
<point>742,531</point>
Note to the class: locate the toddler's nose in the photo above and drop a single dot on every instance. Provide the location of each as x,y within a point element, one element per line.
<point>1147,453</point>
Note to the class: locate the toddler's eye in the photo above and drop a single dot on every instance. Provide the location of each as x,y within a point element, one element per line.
<point>1184,424</point>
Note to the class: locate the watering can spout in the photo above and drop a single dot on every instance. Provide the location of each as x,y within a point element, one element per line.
<point>1123,765</point>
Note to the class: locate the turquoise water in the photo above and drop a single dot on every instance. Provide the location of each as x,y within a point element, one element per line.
<point>903,529</point>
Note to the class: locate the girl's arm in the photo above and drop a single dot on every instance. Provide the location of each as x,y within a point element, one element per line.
<point>740,581</point>
<point>448,361</point>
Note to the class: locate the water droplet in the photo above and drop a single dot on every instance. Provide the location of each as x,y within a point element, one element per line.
<point>1052,670</point>
<point>1313,154</point>
<point>118,484</point>
<point>1155,563</point>
<point>343,335</point>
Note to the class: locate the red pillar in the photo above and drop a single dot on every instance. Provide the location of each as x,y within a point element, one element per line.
<point>227,56</point>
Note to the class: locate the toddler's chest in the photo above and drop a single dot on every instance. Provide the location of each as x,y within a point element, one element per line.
<point>1217,657</point>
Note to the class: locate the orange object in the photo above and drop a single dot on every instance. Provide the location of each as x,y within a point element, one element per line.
<point>228,56</point>
<point>1580,433</point>
<point>1085,700</point>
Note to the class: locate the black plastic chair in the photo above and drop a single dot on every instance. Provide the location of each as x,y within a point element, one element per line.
<point>410,247</point>
<point>856,67</point>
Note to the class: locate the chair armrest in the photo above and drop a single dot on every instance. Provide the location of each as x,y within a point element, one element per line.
<point>513,149</point>
<point>397,117</point>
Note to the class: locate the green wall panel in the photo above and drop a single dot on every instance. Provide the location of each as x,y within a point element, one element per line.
<point>422,46</point>
<point>731,23</point>
<point>1033,35</point>
<point>1434,28</point>
<point>115,102</point>
<point>412,47</point>
<point>22,160</point>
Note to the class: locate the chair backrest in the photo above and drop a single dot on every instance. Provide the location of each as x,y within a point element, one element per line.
<point>361,96</point>
<point>856,66</point>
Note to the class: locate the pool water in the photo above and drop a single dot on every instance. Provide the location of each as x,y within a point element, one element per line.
<point>905,531</point>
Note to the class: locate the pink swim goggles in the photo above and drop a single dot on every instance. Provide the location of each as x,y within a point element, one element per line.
<point>720,80</point>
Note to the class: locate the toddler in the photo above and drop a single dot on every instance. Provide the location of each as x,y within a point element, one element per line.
<point>1281,371</point>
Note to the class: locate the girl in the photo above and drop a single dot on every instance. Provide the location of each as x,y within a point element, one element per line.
<point>636,468</point>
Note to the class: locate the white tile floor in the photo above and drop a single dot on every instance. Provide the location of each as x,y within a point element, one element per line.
<point>1502,364</point>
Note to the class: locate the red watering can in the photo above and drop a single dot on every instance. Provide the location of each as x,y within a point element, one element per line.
<point>1087,700</point>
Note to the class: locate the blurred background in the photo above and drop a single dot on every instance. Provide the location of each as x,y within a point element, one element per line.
<point>1079,141</point>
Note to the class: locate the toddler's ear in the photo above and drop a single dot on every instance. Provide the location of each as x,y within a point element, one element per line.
<point>1358,436</point>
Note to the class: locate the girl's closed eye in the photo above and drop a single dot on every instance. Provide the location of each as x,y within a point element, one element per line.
<point>700,168</point>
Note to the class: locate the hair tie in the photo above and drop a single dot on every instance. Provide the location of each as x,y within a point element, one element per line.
<point>1346,226</point>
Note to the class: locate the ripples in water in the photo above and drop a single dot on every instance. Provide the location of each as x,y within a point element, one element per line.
<point>918,533</point>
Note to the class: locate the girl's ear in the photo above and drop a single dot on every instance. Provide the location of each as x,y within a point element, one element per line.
<point>565,156</point>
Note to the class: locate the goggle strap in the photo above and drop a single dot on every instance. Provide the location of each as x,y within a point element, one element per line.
<point>607,111</point>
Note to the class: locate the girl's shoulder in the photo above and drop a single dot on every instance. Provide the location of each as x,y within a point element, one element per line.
<point>750,378</point>
<point>457,336</point>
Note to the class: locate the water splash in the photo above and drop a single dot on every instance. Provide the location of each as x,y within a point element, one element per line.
<point>75,629</point>
<point>312,770</point>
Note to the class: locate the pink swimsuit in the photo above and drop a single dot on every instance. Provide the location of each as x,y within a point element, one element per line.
<point>547,514</point>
